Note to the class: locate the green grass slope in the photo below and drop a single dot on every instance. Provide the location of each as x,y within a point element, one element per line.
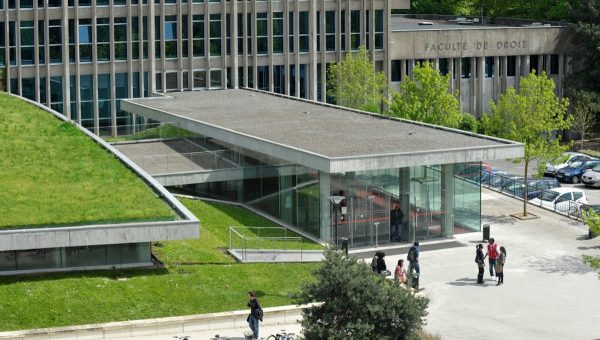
<point>52,174</point>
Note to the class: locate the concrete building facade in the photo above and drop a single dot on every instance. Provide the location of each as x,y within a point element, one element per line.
<point>81,57</point>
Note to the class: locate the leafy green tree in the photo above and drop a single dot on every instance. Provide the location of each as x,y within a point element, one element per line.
<point>532,117</point>
<point>592,220</point>
<point>358,304</point>
<point>469,123</point>
<point>354,83</point>
<point>425,98</point>
<point>587,107</point>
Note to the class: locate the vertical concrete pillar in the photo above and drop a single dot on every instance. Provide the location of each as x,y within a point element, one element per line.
<point>458,79</point>
<point>312,79</point>
<point>480,88</point>
<point>561,74</point>
<point>517,71</point>
<point>408,231</point>
<point>473,86</point>
<point>504,75</point>
<point>448,199</point>
<point>234,44</point>
<point>525,65</point>
<point>270,44</point>
<point>548,62</point>
<point>402,70</point>
<point>451,73</point>
<point>325,206</point>
<point>496,87</point>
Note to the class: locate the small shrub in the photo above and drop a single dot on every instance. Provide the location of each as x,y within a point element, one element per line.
<point>469,123</point>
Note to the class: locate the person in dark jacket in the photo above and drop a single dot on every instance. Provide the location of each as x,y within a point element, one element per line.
<point>256,313</point>
<point>396,218</point>
<point>480,260</point>
<point>378,263</point>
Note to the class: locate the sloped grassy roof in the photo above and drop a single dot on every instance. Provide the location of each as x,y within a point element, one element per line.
<point>51,174</point>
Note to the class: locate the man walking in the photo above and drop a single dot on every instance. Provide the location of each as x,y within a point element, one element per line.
<point>396,218</point>
<point>492,255</point>
<point>413,259</point>
<point>256,313</point>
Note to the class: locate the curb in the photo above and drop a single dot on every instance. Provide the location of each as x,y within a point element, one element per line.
<point>153,327</point>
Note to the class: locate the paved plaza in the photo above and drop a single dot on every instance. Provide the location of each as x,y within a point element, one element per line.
<point>548,292</point>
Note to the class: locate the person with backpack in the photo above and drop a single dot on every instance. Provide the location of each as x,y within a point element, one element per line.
<point>413,258</point>
<point>396,218</point>
<point>492,255</point>
<point>500,266</point>
<point>256,313</point>
<point>480,260</point>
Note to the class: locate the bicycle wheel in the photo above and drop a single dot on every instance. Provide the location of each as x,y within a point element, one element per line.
<point>272,337</point>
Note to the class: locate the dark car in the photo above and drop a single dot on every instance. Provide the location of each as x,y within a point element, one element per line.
<point>535,187</point>
<point>493,178</point>
<point>573,172</point>
<point>471,171</point>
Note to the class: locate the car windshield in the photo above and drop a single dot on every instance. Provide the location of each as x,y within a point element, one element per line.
<point>596,168</point>
<point>548,195</point>
<point>576,164</point>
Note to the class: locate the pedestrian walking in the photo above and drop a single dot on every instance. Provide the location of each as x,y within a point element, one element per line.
<point>480,260</point>
<point>492,255</point>
<point>400,273</point>
<point>413,259</point>
<point>396,219</point>
<point>500,266</point>
<point>256,313</point>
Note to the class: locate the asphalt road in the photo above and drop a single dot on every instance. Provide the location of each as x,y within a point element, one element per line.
<point>592,194</point>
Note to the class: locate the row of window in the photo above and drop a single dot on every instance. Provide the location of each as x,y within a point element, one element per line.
<point>169,30</point>
<point>24,4</point>
<point>489,67</point>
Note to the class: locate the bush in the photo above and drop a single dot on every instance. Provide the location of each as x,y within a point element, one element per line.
<point>469,123</point>
<point>592,153</point>
<point>358,304</point>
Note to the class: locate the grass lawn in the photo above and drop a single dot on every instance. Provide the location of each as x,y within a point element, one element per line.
<point>52,174</point>
<point>209,281</point>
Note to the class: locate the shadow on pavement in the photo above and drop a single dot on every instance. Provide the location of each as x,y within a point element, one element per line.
<point>492,219</point>
<point>560,265</point>
<point>467,281</point>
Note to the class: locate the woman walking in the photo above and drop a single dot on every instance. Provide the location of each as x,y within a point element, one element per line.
<point>400,273</point>
<point>480,260</point>
<point>500,266</point>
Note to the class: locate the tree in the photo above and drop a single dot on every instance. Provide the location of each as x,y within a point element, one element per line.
<point>354,83</point>
<point>592,220</point>
<point>532,117</point>
<point>357,303</point>
<point>425,98</point>
<point>587,106</point>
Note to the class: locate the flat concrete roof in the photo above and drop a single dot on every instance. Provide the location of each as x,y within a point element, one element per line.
<point>409,23</point>
<point>320,136</point>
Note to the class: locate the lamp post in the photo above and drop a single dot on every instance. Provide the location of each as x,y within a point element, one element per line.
<point>336,201</point>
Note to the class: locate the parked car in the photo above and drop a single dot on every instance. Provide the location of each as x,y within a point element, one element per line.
<point>591,177</point>
<point>534,187</point>
<point>493,178</point>
<point>573,172</point>
<point>561,199</point>
<point>471,171</point>
<point>572,157</point>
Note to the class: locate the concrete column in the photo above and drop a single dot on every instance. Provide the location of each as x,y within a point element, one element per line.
<point>525,66</point>
<point>504,79</point>
<point>480,88</point>
<point>410,66</point>
<point>548,62</point>
<point>286,47</point>
<point>402,70</point>
<point>151,48</point>
<point>473,87</point>
<point>561,74</point>
<point>517,71</point>
<point>312,78</point>
<point>325,206</point>
<point>496,88</point>
<point>234,44</point>
<point>408,233</point>
<point>436,64</point>
<point>458,82</point>
<point>448,199</point>
<point>451,73</point>
<point>65,67</point>
<point>270,44</point>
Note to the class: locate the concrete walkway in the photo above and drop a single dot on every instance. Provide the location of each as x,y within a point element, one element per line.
<point>549,293</point>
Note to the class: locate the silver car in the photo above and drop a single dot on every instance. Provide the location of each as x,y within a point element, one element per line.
<point>573,157</point>
<point>591,177</point>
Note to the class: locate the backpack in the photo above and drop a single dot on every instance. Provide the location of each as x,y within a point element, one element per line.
<point>260,314</point>
<point>411,254</point>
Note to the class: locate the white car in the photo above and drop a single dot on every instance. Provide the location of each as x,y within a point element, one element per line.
<point>567,200</point>
<point>573,157</point>
<point>591,177</point>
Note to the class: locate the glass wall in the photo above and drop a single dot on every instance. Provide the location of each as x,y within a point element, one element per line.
<point>76,257</point>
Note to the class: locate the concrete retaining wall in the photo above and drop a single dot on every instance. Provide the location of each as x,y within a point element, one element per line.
<point>167,326</point>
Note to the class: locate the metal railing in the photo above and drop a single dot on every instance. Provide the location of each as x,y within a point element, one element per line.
<point>514,186</point>
<point>184,162</point>
<point>245,239</point>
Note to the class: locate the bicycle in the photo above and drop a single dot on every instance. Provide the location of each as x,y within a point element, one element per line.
<point>282,336</point>
<point>182,337</point>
